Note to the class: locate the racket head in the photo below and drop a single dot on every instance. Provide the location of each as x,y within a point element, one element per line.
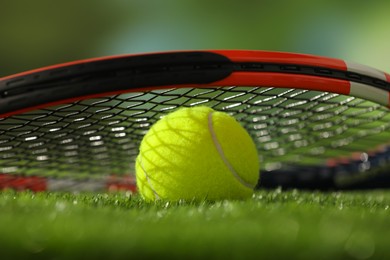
<point>85,119</point>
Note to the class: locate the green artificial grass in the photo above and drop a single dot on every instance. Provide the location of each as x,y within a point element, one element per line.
<point>272,225</point>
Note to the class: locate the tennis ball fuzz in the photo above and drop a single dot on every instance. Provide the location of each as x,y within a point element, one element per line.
<point>197,154</point>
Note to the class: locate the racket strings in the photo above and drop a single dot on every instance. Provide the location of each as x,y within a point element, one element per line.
<point>100,136</point>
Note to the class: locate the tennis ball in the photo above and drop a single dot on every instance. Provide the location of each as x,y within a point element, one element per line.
<point>197,154</point>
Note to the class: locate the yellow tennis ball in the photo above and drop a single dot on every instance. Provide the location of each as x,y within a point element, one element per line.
<point>197,154</point>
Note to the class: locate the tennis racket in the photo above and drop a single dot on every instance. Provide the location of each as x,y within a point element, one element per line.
<point>317,122</point>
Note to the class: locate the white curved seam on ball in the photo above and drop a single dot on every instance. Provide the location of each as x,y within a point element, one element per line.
<point>156,196</point>
<point>222,154</point>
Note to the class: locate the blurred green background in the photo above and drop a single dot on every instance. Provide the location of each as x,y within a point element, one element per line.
<point>44,32</point>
